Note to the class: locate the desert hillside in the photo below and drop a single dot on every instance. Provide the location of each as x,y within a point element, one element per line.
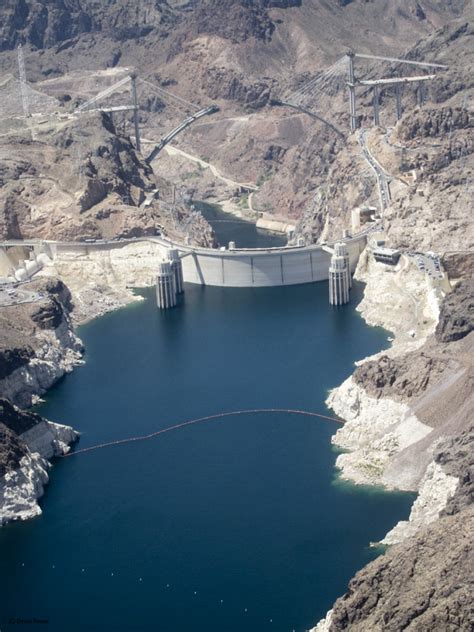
<point>239,55</point>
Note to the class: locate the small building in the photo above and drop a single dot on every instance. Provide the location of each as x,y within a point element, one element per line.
<point>388,256</point>
<point>362,215</point>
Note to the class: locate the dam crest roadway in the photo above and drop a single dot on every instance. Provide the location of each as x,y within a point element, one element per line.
<point>234,267</point>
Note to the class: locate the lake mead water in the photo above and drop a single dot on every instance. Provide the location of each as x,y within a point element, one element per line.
<point>245,234</point>
<point>232,525</point>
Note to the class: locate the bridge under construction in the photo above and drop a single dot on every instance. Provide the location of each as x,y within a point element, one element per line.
<point>314,96</point>
<point>243,267</point>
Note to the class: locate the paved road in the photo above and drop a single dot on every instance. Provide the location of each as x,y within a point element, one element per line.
<point>172,150</point>
<point>380,174</point>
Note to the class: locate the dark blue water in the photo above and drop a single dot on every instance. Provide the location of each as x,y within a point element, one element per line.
<point>245,234</point>
<point>221,527</point>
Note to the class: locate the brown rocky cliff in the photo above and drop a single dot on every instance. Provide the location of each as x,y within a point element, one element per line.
<point>47,23</point>
<point>400,377</point>
<point>424,583</point>
<point>236,20</point>
<point>76,179</point>
<point>19,323</point>
<point>456,318</point>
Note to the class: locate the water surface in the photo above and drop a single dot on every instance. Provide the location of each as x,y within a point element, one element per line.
<point>245,234</point>
<point>226,526</point>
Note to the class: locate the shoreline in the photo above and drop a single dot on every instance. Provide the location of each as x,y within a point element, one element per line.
<point>430,483</point>
<point>262,221</point>
<point>93,298</point>
<point>98,285</point>
<point>377,430</point>
<point>386,439</point>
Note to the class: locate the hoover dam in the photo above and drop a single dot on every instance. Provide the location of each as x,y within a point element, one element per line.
<point>239,267</point>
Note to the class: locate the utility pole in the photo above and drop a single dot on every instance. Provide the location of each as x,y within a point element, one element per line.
<point>351,85</point>
<point>398,96</point>
<point>133,79</point>
<point>421,93</point>
<point>23,85</point>
<point>376,105</point>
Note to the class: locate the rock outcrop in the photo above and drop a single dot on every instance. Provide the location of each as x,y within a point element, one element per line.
<point>234,20</point>
<point>48,24</point>
<point>37,347</point>
<point>456,318</point>
<point>425,583</point>
<point>76,180</point>
<point>37,343</point>
<point>27,441</point>
<point>399,377</point>
<point>433,122</point>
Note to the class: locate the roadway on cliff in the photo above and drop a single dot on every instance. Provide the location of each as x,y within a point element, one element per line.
<point>173,151</point>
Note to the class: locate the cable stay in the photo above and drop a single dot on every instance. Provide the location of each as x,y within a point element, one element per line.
<point>401,61</point>
<point>102,95</point>
<point>317,91</point>
<point>164,93</point>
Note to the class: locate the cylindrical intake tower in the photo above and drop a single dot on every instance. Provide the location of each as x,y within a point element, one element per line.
<point>339,275</point>
<point>177,268</point>
<point>165,286</point>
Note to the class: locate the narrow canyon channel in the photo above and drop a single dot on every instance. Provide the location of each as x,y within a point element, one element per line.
<point>230,525</point>
<point>245,234</point>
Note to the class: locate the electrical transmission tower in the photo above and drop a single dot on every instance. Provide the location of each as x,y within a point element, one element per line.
<point>23,85</point>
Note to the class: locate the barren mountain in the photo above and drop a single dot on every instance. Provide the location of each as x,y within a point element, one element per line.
<point>427,157</point>
<point>75,178</point>
<point>239,54</point>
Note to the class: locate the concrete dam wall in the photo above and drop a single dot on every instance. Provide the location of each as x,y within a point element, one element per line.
<point>262,267</point>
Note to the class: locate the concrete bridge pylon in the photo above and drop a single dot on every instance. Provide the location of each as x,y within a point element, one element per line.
<point>378,84</point>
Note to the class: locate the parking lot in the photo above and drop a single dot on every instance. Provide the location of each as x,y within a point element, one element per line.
<point>428,262</point>
<point>11,295</point>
